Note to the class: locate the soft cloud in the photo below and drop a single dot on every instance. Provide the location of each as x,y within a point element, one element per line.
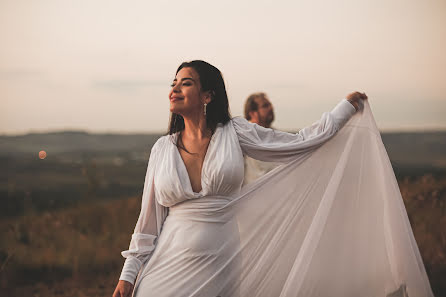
<point>127,85</point>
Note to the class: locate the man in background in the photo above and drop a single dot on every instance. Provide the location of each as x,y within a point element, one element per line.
<point>258,110</point>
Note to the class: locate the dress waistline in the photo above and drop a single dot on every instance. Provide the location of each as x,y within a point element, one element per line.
<point>207,208</point>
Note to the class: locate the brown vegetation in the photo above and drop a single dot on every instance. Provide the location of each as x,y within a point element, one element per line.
<point>425,200</point>
<point>63,248</point>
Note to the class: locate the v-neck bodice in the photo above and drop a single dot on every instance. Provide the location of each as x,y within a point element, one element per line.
<point>221,173</point>
<point>211,140</point>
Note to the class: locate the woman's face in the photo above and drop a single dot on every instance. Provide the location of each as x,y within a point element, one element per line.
<point>185,96</point>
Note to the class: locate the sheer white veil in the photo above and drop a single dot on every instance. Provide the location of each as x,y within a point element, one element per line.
<point>331,223</point>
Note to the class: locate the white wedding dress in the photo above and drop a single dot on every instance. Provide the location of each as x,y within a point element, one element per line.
<point>330,222</point>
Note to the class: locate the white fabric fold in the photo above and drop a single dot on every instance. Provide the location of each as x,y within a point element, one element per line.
<point>143,244</point>
<point>130,269</point>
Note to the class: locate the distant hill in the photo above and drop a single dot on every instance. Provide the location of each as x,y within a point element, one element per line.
<point>416,149</point>
<point>406,149</point>
<point>75,141</point>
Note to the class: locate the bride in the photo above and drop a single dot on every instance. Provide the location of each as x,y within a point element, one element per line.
<point>328,222</point>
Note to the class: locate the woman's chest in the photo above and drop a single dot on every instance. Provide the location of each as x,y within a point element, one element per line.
<point>193,154</point>
<point>220,172</point>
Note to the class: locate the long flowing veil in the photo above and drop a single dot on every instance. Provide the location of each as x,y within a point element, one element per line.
<point>330,223</point>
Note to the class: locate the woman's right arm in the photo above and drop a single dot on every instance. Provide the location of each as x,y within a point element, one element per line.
<point>147,230</point>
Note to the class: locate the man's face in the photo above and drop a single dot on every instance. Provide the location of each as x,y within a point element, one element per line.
<point>265,111</point>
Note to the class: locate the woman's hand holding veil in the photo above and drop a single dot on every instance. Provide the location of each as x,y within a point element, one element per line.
<point>355,99</point>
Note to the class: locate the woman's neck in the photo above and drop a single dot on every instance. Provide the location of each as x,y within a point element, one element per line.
<point>195,127</point>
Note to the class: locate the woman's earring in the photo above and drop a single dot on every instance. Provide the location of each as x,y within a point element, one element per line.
<point>205,108</point>
<point>174,119</point>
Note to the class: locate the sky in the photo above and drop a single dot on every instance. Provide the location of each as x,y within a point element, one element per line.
<point>107,65</point>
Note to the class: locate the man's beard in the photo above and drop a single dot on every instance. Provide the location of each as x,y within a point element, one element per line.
<point>269,119</point>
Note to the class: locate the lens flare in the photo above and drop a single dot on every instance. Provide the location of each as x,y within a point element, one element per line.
<point>42,155</point>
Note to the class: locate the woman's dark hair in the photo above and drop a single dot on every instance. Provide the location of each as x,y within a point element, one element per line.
<point>217,111</point>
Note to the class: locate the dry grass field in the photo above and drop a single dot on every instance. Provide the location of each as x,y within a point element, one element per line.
<point>76,251</point>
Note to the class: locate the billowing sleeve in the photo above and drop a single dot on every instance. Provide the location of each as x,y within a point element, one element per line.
<point>271,145</point>
<point>148,226</point>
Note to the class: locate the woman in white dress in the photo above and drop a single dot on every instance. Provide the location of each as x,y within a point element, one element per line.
<point>200,234</point>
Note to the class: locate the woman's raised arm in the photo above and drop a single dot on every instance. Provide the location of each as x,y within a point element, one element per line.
<point>271,145</point>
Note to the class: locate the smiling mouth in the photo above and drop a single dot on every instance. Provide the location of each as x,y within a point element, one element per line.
<point>173,99</point>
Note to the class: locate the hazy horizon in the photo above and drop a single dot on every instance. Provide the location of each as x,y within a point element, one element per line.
<point>79,130</point>
<point>106,66</point>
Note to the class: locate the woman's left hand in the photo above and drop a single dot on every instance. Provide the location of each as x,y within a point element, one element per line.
<point>355,97</point>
